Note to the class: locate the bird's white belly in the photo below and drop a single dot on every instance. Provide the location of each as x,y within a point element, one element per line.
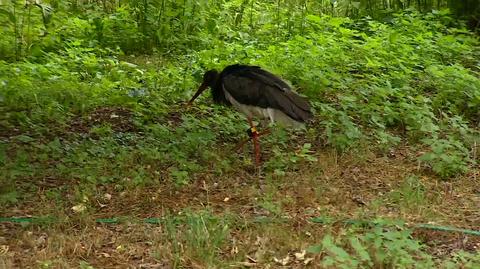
<point>273,114</point>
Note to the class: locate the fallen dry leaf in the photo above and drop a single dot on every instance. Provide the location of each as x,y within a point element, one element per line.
<point>251,259</point>
<point>3,250</point>
<point>79,208</point>
<point>101,205</point>
<point>105,255</point>
<point>283,261</point>
<point>307,261</point>
<point>247,264</point>
<point>300,256</point>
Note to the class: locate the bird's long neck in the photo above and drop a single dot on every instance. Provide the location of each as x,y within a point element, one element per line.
<point>213,83</point>
<point>217,91</point>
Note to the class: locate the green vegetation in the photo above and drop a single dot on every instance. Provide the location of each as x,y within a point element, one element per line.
<point>92,124</point>
<point>379,248</point>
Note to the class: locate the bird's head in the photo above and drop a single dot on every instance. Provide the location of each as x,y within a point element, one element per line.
<point>209,79</point>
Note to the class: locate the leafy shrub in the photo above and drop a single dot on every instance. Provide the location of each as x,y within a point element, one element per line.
<point>119,29</point>
<point>447,157</point>
<point>384,248</point>
<point>381,82</point>
<point>455,91</point>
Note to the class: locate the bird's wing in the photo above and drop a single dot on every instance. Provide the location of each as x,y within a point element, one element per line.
<point>256,73</point>
<point>257,87</point>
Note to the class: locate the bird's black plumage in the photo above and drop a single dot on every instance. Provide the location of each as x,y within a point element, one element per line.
<point>256,92</point>
<point>253,86</point>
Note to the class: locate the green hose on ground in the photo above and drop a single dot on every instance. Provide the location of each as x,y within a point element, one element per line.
<point>319,220</point>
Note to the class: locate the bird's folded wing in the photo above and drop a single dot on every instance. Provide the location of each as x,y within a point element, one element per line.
<point>264,90</point>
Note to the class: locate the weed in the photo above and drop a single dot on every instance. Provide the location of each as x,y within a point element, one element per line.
<point>411,194</point>
<point>81,111</point>
<point>391,248</point>
<point>199,236</point>
<point>447,157</point>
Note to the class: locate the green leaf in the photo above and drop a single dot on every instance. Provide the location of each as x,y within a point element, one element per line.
<point>24,138</point>
<point>361,251</point>
<point>314,249</point>
<point>314,18</point>
<point>9,14</point>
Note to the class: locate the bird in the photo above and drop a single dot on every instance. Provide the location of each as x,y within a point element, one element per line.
<point>258,93</point>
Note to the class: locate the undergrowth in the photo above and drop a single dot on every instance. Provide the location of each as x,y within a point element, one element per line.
<point>381,247</point>
<point>412,80</point>
<point>77,110</point>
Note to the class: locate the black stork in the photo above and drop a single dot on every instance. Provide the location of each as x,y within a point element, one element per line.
<point>256,93</point>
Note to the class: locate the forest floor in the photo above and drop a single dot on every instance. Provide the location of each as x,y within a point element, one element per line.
<point>103,166</point>
<point>238,219</point>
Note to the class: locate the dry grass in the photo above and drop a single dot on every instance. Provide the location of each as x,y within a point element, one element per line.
<point>341,187</point>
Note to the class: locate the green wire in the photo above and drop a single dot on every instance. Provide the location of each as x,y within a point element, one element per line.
<point>260,220</point>
<point>28,219</point>
<point>447,229</point>
<point>416,226</point>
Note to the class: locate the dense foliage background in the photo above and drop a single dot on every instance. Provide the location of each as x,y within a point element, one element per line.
<point>165,26</point>
<point>405,75</point>
<point>91,92</point>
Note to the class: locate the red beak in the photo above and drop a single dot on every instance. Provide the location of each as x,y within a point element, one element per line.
<point>202,88</point>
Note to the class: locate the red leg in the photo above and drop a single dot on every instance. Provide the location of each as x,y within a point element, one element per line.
<point>264,132</point>
<point>250,122</point>
<point>256,145</point>
<point>242,143</point>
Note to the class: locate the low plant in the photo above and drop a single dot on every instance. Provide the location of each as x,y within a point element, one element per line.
<point>411,194</point>
<point>382,247</point>
<point>447,157</point>
<point>197,235</point>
